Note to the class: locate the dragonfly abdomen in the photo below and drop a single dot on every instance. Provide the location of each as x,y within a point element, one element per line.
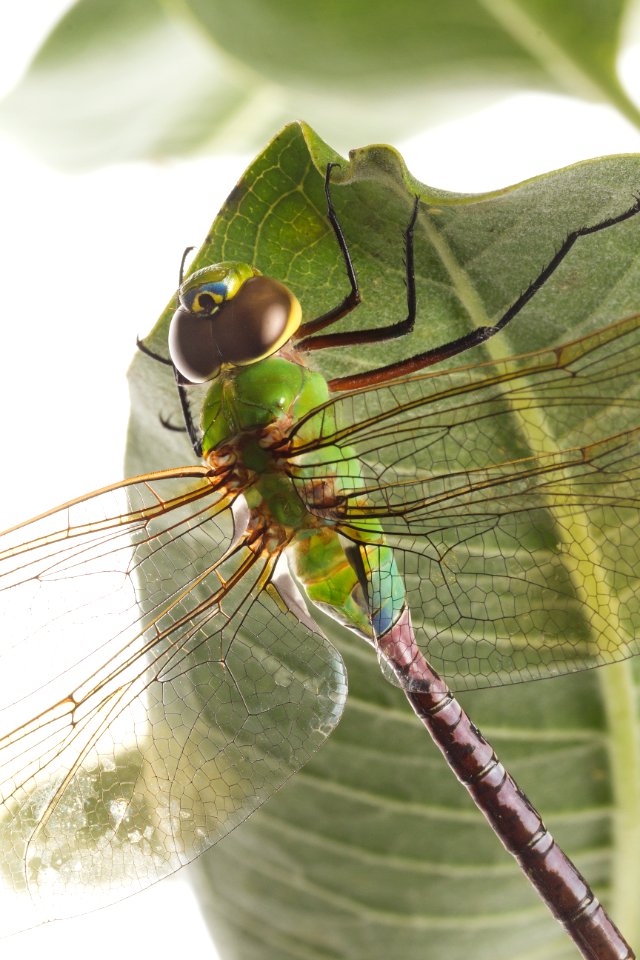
<point>494,791</point>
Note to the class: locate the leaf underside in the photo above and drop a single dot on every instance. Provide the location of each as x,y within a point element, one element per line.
<point>373,849</point>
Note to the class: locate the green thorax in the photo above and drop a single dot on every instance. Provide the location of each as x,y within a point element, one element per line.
<point>241,404</point>
<point>249,409</point>
<point>243,400</point>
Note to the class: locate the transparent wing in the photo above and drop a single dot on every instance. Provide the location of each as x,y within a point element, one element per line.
<point>511,494</point>
<point>161,679</point>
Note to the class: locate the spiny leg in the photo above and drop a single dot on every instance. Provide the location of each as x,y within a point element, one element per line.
<point>140,344</point>
<point>480,334</point>
<point>375,334</point>
<point>192,430</point>
<point>143,348</point>
<point>352,299</point>
<point>181,384</point>
<point>187,251</point>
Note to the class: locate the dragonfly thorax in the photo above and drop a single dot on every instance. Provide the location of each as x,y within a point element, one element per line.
<point>265,398</point>
<point>248,417</point>
<point>229,315</point>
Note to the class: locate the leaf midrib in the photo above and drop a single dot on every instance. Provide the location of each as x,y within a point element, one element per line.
<point>616,680</point>
<point>554,60</point>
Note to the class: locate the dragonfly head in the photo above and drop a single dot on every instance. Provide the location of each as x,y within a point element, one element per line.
<point>229,313</point>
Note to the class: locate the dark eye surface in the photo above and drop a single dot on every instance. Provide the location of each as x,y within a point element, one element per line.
<point>192,346</point>
<point>253,324</point>
<point>260,319</point>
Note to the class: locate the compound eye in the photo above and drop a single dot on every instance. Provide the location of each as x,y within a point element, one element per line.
<point>261,317</point>
<point>192,346</point>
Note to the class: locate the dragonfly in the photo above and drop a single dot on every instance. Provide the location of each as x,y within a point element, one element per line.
<point>192,678</point>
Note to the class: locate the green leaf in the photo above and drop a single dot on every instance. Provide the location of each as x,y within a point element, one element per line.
<point>373,849</point>
<point>119,81</point>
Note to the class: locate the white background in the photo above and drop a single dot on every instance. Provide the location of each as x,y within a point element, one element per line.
<point>88,262</point>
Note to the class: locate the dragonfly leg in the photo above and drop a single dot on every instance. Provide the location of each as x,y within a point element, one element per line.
<point>181,384</point>
<point>140,344</point>
<point>187,251</point>
<point>143,348</point>
<point>174,428</point>
<point>376,334</point>
<point>189,423</point>
<point>352,299</point>
<point>480,334</point>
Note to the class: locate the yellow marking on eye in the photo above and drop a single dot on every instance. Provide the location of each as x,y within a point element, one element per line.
<point>204,305</point>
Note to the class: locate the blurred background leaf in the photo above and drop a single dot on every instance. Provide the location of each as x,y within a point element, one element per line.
<point>118,80</point>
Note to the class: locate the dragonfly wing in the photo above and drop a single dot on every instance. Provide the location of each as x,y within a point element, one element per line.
<point>511,495</point>
<point>183,692</point>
